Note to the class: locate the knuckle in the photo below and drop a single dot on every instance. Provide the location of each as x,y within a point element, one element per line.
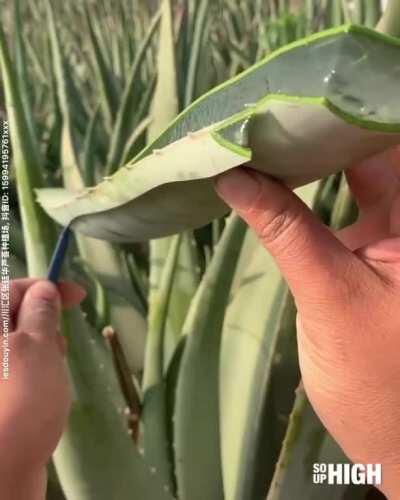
<point>273,227</point>
<point>45,307</point>
<point>21,340</point>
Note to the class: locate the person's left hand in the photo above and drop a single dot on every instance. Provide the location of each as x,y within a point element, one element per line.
<point>35,398</point>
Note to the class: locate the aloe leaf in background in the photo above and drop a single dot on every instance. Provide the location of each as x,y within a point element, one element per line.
<point>124,306</point>
<point>129,100</point>
<point>297,138</point>
<point>164,108</point>
<point>306,443</point>
<point>39,235</point>
<point>22,75</point>
<point>104,78</point>
<point>390,21</point>
<point>258,369</point>
<point>173,281</point>
<point>196,419</point>
<point>154,414</point>
<point>96,459</point>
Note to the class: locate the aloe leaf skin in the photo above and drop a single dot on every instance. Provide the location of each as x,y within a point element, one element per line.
<point>123,119</point>
<point>390,21</point>
<point>105,81</point>
<point>96,459</point>
<point>38,231</point>
<point>168,280</point>
<point>197,454</point>
<point>154,414</point>
<point>165,105</point>
<point>306,443</point>
<point>348,109</point>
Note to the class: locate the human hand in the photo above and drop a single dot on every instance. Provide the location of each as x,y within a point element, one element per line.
<point>347,291</point>
<point>35,399</point>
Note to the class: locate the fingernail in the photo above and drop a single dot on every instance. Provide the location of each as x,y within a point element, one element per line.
<point>238,187</point>
<point>44,290</point>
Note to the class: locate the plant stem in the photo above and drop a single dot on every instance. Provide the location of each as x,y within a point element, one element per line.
<point>390,21</point>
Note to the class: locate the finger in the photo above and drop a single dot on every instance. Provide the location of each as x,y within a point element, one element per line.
<point>373,180</point>
<point>62,344</point>
<point>395,158</point>
<point>40,309</point>
<point>384,251</point>
<point>71,293</point>
<point>395,216</point>
<point>369,228</point>
<point>307,253</point>
<point>17,291</point>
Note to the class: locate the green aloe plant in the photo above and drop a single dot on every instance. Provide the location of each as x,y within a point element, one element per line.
<point>159,88</point>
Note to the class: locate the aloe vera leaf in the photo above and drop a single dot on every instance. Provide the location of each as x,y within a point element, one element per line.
<point>298,139</point>
<point>96,459</point>
<point>104,78</point>
<point>196,422</point>
<point>123,121</point>
<point>165,276</point>
<point>390,21</point>
<point>89,150</point>
<point>186,281</point>
<point>124,306</point>
<point>38,231</point>
<point>197,204</point>
<point>258,348</point>
<point>165,107</point>
<point>165,101</point>
<point>22,76</point>
<point>198,34</point>
<point>154,413</point>
<point>344,210</point>
<point>306,443</point>
<point>372,12</point>
<point>137,133</point>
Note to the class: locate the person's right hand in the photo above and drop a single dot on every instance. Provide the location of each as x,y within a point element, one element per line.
<point>347,290</point>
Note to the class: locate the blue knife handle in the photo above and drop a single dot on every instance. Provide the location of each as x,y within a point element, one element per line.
<point>59,256</point>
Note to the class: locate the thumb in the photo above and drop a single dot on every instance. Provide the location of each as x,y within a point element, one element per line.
<point>309,256</point>
<point>40,309</point>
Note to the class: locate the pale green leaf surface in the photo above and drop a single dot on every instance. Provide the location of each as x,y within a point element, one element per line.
<point>96,458</point>
<point>165,101</point>
<point>38,231</point>
<point>196,420</point>
<point>306,443</point>
<point>154,413</point>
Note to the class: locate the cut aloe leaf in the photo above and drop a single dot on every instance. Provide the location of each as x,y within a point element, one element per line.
<point>306,111</point>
